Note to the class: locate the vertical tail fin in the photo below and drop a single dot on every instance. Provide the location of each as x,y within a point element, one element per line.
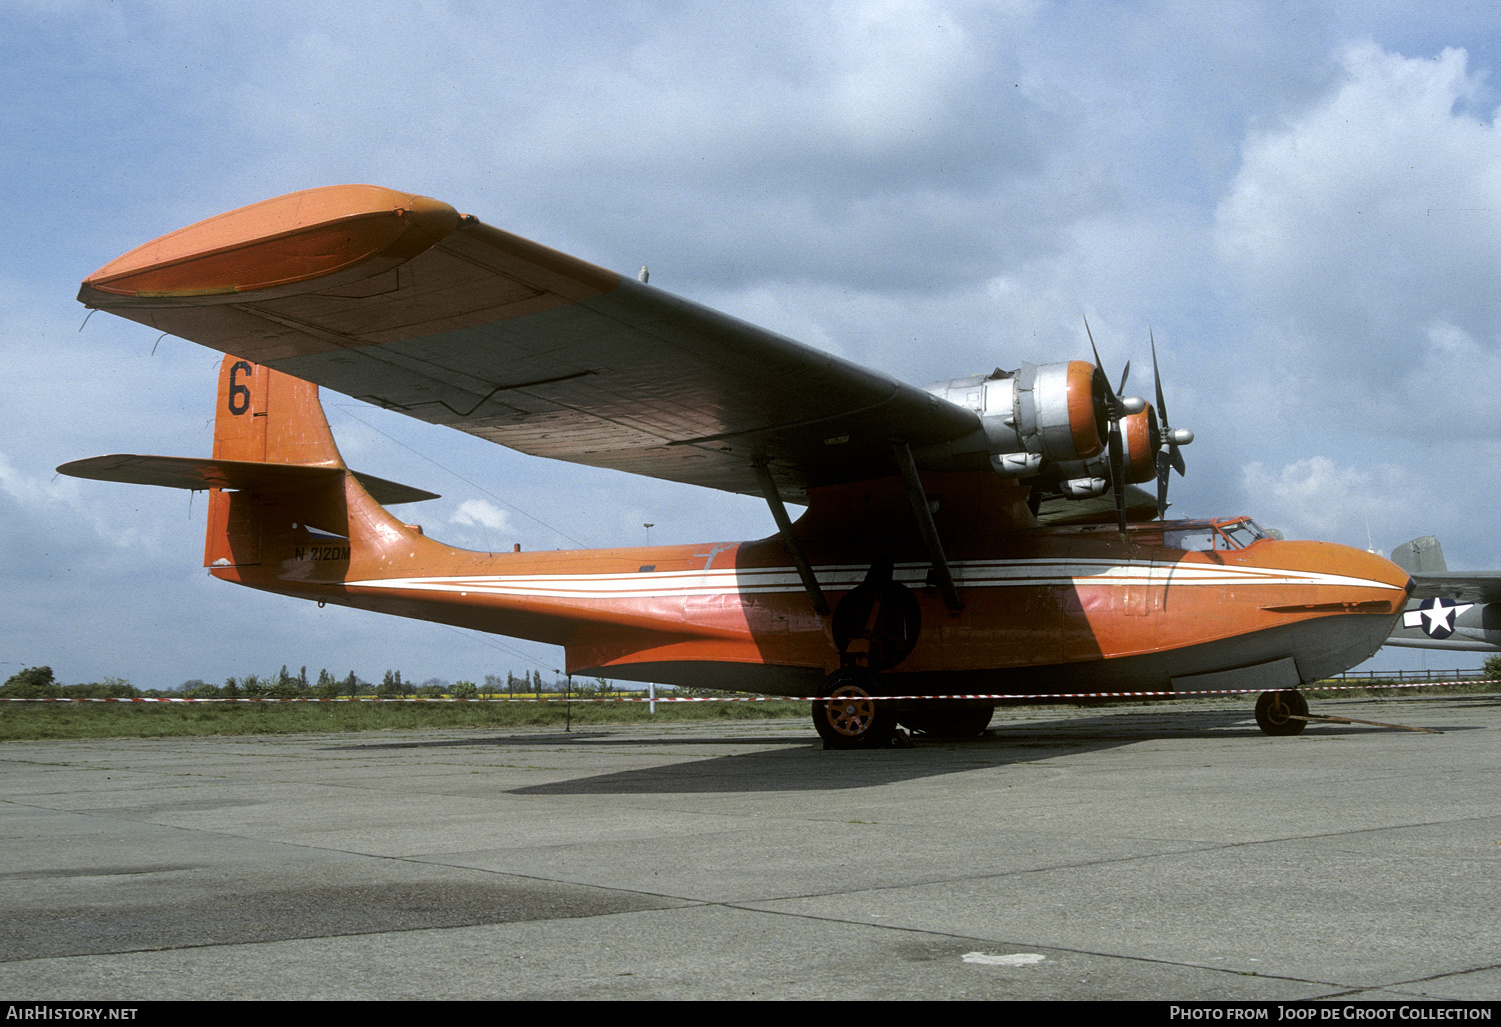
<point>266,417</point>
<point>1420,556</point>
<point>269,417</point>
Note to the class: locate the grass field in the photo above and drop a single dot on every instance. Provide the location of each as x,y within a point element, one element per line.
<point>20,721</point>
<point>53,720</point>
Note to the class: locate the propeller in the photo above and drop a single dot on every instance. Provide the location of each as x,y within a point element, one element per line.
<point>1170,456</point>
<point>1115,409</point>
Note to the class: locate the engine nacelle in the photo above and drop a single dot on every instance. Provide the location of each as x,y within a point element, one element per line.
<point>1141,439</point>
<point>1036,418</point>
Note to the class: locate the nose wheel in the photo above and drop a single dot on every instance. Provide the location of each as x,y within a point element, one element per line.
<point>850,718</point>
<point>1281,713</point>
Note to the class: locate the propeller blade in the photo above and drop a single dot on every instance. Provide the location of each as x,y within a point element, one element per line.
<point>1174,453</point>
<point>1110,396</point>
<point>1118,473</point>
<point>1157,378</point>
<point>1114,412</point>
<point>1164,466</point>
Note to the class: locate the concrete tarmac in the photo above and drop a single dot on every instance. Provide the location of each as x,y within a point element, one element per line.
<point>1137,852</point>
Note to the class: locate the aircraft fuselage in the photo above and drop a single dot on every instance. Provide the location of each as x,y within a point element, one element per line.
<point>1047,610</point>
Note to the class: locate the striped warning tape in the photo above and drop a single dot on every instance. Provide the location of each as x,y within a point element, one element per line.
<point>1315,687</point>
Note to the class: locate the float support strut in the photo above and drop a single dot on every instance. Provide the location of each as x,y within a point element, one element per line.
<point>924,515</point>
<point>790,540</point>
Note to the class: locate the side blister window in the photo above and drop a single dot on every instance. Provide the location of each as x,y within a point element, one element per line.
<point>1193,540</point>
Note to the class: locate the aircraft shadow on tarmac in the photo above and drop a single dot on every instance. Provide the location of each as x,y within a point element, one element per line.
<point>795,764</point>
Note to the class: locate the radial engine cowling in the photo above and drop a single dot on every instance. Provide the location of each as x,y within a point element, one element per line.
<point>1037,417</point>
<point>1142,438</point>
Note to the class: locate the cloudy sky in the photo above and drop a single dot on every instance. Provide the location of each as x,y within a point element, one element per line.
<point>1301,200</point>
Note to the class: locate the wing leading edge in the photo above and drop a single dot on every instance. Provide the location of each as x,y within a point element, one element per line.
<point>399,300</point>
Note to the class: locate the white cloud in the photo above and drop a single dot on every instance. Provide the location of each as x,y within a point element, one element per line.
<point>1454,387</point>
<point>1375,210</point>
<point>59,501</point>
<point>1316,498</point>
<point>1360,237</point>
<point>33,492</point>
<point>482,513</point>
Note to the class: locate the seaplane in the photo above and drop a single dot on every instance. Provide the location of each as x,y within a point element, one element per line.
<point>972,539</point>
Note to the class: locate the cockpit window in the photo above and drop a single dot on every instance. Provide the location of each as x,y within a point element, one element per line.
<point>1243,533</point>
<point>1206,538</point>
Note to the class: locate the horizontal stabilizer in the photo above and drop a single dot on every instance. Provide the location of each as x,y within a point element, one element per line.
<point>180,472</point>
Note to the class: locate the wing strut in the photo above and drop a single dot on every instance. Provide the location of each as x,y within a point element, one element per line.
<point>924,515</point>
<point>790,539</point>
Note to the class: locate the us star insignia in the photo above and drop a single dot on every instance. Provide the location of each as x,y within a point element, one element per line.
<point>1435,616</point>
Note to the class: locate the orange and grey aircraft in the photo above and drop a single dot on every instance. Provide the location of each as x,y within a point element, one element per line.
<point>920,568</point>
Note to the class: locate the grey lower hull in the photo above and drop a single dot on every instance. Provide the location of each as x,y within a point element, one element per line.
<point>1318,648</point>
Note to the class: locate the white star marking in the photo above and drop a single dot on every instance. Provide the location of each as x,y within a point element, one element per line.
<point>1435,617</point>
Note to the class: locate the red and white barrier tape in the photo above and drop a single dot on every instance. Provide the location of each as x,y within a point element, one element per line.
<point>1316,687</point>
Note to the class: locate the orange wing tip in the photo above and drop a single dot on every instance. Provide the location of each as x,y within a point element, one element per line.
<point>281,241</point>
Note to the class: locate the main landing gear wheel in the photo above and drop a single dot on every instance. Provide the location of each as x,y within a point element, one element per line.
<point>1278,713</point>
<point>852,719</point>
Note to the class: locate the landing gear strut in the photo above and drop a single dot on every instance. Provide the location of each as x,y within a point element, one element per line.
<point>852,719</point>
<point>1279,713</point>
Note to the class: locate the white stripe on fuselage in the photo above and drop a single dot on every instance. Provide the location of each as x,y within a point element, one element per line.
<point>967,574</point>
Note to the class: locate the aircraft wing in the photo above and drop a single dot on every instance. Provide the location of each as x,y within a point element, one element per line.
<point>1466,586</point>
<point>399,300</point>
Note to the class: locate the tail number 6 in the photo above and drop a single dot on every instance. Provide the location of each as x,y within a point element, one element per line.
<point>239,395</point>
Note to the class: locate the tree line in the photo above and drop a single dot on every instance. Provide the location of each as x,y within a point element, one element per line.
<point>40,683</point>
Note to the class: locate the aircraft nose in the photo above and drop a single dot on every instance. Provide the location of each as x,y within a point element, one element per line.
<point>1379,569</point>
<point>1346,577</point>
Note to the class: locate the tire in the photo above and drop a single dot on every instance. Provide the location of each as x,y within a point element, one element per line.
<point>1273,709</point>
<point>854,720</point>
